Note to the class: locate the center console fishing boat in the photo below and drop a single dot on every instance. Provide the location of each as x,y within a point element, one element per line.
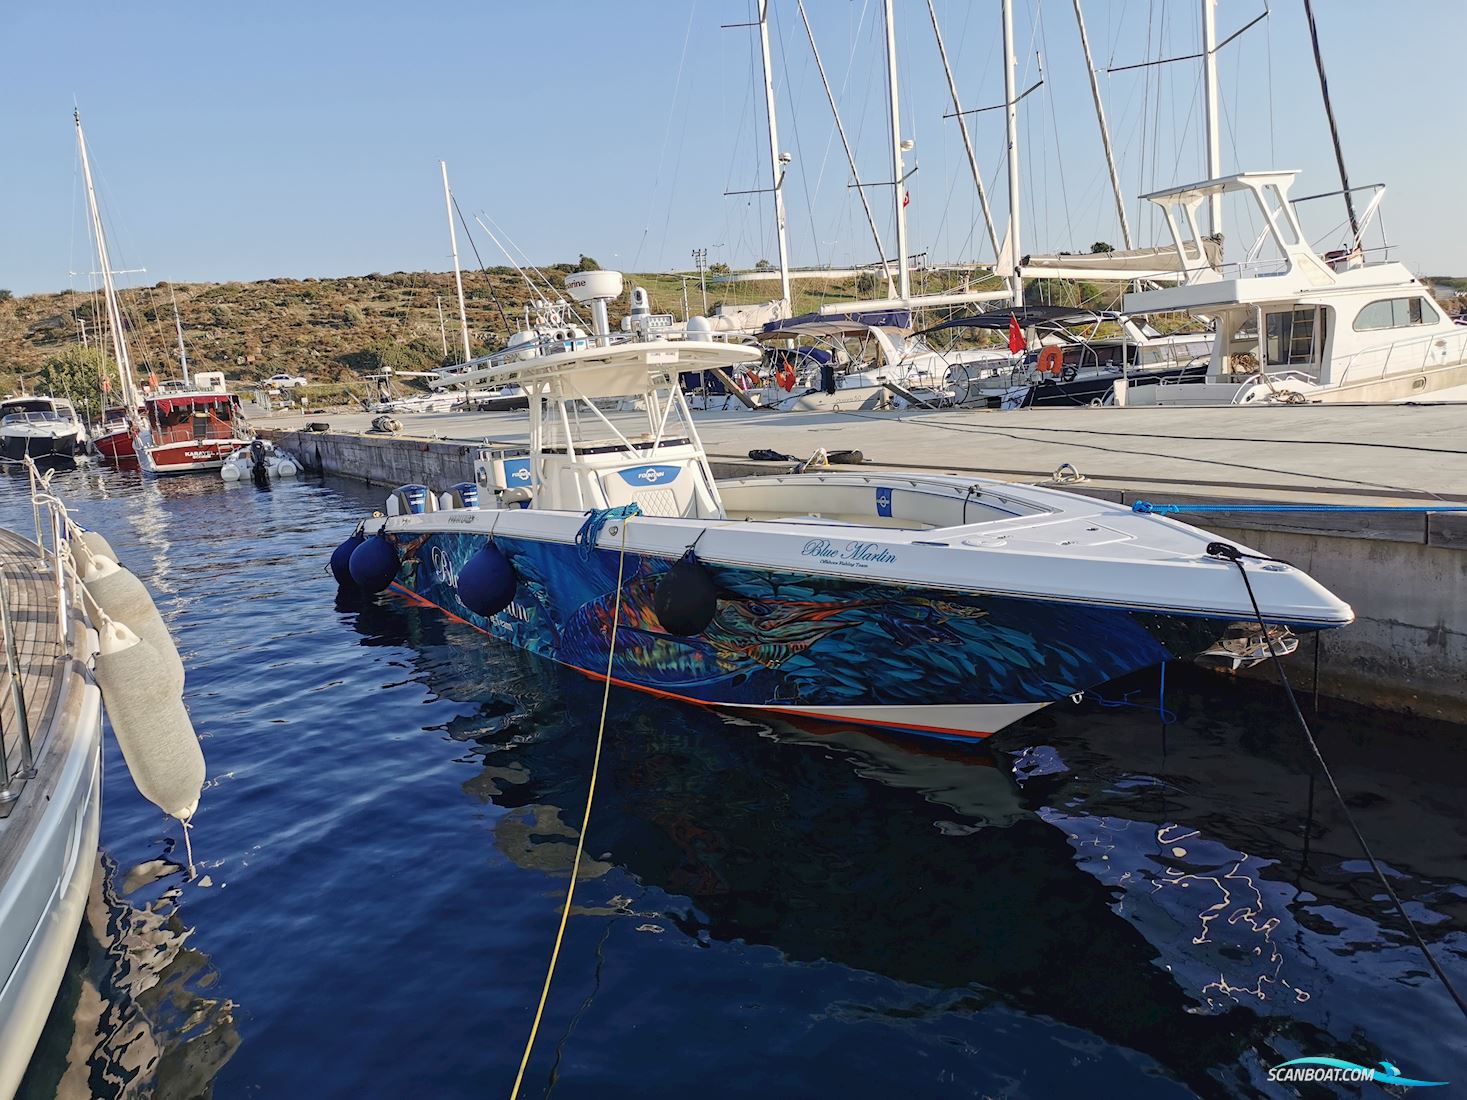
<point>928,602</point>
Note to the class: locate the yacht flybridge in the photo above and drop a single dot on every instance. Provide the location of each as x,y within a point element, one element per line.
<point>936,603</point>
<point>1293,326</point>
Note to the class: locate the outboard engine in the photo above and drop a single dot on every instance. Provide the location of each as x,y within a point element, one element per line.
<point>411,500</point>
<point>259,471</point>
<point>461,495</point>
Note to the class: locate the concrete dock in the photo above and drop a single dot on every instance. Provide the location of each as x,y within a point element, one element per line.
<point>1405,573</point>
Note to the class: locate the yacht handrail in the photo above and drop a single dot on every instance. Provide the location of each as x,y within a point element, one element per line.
<point>53,525</point>
<point>1361,361</point>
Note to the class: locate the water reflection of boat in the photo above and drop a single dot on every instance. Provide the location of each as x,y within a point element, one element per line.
<point>132,1018</point>
<point>871,854</point>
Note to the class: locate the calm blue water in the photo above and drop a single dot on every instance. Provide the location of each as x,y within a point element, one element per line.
<point>383,844</point>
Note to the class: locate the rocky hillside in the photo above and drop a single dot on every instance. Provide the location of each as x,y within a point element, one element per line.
<point>335,330</point>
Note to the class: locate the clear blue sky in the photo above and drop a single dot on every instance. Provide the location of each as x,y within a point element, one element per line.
<point>246,141</point>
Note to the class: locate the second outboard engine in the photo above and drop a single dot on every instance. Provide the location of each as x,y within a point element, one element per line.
<point>461,495</point>
<point>411,500</point>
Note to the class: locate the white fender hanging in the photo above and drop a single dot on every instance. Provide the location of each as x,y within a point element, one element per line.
<point>99,546</point>
<point>124,598</point>
<point>149,721</point>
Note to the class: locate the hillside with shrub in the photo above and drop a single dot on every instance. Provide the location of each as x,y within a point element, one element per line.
<point>336,331</point>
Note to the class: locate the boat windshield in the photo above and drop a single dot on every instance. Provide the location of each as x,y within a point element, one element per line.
<point>39,405</point>
<point>33,418</point>
<point>641,426</point>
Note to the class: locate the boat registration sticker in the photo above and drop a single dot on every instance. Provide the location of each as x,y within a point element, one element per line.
<point>883,501</point>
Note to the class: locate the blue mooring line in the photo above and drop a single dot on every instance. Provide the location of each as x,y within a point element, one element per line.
<point>1145,507</point>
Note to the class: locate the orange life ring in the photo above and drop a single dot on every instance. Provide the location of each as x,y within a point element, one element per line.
<point>1051,361</point>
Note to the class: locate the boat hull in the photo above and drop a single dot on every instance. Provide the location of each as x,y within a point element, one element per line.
<point>1098,389</point>
<point>191,457</point>
<point>43,899</point>
<point>42,448</point>
<point>116,444</point>
<point>842,649</point>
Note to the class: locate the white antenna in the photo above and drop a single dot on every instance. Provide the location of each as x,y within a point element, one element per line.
<point>114,315</point>
<point>898,175</point>
<point>458,279</point>
<point>1011,111</point>
<point>777,160</point>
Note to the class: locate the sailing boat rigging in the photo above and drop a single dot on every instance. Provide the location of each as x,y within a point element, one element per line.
<point>114,438</point>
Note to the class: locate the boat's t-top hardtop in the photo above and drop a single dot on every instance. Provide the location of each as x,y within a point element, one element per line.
<point>579,457</point>
<point>1281,263</point>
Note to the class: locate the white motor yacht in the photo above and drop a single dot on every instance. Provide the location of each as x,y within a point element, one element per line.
<point>46,428</point>
<point>1293,326</point>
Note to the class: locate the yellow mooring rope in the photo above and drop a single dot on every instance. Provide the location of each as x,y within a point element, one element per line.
<point>570,891</point>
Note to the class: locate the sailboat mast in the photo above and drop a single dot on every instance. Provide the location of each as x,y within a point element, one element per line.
<point>458,279</point>
<point>114,315</point>
<point>899,191</point>
<point>1011,114</point>
<point>776,168</point>
<point>952,88</point>
<point>1334,130</point>
<point>846,145</point>
<point>1210,105</point>
<point>1110,157</point>
<point>178,327</point>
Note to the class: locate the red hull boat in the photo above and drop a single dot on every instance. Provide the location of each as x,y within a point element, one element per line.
<point>191,432</point>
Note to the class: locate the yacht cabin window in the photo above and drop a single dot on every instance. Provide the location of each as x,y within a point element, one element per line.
<point>1395,313</point>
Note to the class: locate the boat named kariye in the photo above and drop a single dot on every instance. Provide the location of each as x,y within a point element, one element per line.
<point>924,602</point>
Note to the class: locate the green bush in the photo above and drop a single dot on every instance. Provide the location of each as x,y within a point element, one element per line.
<point>353,316</point>
<point>76,374</point>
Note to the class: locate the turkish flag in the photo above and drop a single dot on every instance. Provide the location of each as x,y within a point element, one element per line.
<point>906,199</point>
<point>1016,335</point>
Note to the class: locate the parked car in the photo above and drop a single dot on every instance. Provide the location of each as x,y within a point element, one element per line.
<point>284,381</point>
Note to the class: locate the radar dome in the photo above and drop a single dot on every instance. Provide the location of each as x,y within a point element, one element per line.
<point>586,286</point>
